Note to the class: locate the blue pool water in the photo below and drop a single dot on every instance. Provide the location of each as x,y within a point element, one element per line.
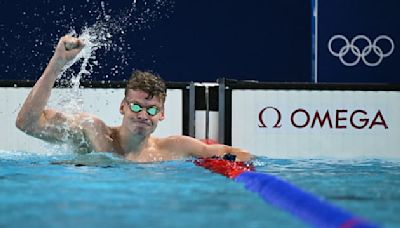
<point>99,190</point>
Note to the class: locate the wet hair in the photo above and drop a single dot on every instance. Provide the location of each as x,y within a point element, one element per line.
<point>147,82</point>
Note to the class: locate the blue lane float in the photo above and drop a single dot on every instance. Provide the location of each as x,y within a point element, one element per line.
<point>306,206</point>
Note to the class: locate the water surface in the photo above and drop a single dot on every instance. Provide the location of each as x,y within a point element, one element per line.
<point>100,190</point>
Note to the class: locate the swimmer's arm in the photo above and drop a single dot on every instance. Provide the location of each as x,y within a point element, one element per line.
<point>55,127</point>
<point>196,148</point>
<point>34,118</point>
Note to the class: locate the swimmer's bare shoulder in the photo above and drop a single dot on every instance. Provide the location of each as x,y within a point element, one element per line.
<point>179,144</point>
<point>95,132</point>
<point>89,122</point>
<point>170,147</point>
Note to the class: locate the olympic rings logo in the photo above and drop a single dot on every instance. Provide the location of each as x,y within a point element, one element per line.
<point>358,53</point>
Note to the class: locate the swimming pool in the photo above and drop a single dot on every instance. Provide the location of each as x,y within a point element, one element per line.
<point>100,190</point>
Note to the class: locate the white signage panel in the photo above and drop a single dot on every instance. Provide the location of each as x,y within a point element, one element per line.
<point>315,123</point>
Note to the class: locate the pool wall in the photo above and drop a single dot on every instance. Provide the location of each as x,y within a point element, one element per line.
<point>317,123</point>
<point>273,120</point>
<point>311,120</point>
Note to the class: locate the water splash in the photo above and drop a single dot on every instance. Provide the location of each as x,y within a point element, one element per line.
<point>107,34</point>
<point>99,35</point>
<point>27,44</point>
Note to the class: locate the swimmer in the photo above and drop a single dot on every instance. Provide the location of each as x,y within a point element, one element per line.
<point>142,109</point>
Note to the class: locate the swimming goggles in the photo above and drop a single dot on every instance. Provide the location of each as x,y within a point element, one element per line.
<point>136,108</point>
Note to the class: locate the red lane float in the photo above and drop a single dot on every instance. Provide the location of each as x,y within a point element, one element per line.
<point>227,168</point>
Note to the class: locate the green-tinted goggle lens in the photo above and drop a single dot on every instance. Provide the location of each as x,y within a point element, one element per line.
<point>152,111</point>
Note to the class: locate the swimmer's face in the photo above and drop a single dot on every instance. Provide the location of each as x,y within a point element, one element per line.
<point>143,120</point>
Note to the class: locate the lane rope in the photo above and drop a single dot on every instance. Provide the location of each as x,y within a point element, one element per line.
<point>278,192</point>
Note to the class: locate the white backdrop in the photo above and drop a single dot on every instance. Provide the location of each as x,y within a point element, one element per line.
<point>358,124</point>
<point>104,103</point>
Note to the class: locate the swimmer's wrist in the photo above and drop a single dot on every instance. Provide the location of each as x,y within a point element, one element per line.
<point>56,64</point>
<point>229,157</point>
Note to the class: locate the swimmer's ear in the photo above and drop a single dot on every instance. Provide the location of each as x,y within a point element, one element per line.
<point>162,116</point>
<point>121,108</point>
